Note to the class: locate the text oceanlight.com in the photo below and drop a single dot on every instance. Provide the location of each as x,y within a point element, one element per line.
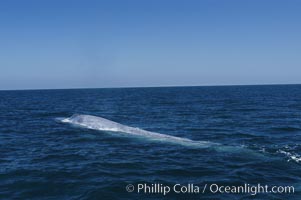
<point>252,189</point>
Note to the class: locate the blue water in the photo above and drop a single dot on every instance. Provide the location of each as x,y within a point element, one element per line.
<point>54,146</point>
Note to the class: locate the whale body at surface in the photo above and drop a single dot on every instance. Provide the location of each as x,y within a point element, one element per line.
<point>102,124</point>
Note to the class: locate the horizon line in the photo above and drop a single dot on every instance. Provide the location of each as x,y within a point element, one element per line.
<point>160,86</point>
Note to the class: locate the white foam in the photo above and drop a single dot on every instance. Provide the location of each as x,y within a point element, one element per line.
<point>291,156</point>
<point>102,124</point>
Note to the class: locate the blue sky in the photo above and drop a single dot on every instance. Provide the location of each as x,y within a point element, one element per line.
<point>78,44</point>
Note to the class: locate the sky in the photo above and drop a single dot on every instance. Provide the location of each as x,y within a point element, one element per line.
<point>55,44</point>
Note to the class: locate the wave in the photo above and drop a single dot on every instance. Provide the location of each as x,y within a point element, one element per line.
<point>102,124</point>
<point>287,129</point>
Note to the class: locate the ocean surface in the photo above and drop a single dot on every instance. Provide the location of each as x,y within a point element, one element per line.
<point>93,143</point>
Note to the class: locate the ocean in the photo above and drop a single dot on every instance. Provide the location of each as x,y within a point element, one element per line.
<point>151,143</point>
